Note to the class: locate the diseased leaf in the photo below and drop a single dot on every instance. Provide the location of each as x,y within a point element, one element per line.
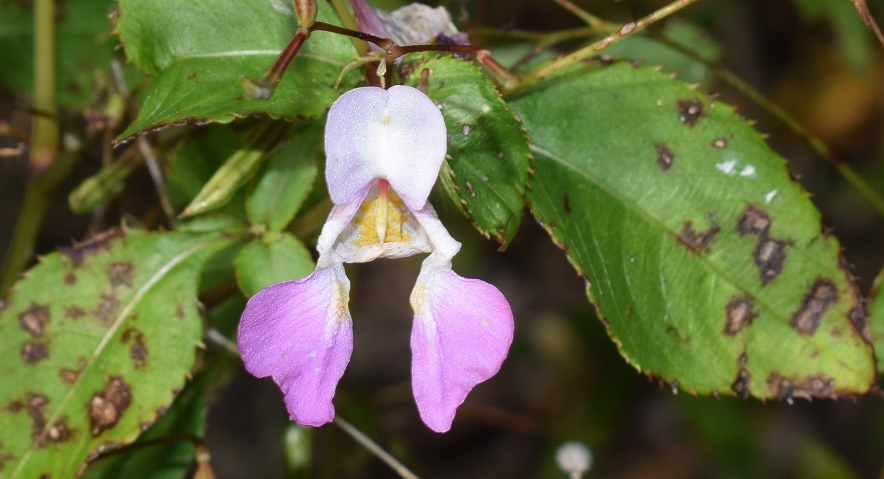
<point>98,338</point>
<point>487,168</point>
<point>277,257</point>
<point>197,71</point>
<point>285,181</point>
<point>698,248</point>
<point>169,458</point>
<point>876,315</point>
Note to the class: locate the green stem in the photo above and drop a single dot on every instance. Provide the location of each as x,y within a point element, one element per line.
<point>47,168</point>
<point>44,138</point>
<point>374,448</point>
<point>594,48</point>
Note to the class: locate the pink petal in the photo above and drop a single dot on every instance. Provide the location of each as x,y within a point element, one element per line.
<point>300,333</point>
<point>397,135</point>
<point>462,333</point>
<point>367,19</point>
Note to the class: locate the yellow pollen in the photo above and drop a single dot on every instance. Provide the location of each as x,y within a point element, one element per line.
<point>381,219</point>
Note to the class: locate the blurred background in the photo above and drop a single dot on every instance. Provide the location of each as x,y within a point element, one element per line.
<point>564,380</point>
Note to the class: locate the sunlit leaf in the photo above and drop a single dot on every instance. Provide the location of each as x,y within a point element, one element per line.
<point>198,51</point>
<point>97,340</point>
<point>487,168</point>
<point>707,263</point>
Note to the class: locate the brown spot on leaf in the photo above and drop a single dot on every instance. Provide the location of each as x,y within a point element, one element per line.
<point>815,303</point>
<point>859,319</point>
<point>35,319</point>
<point>69,375</point>
<point>33,405</point>
<point>566,203</point>
<point>814,386</point>
<point>70,279</point>
<point>753,221</point>
<point>79,252</point>
<point>74,312</point>
<point>180,311</point>
<point>107,309</point>
<point>58,432</point>
<point>738,314</point>
<point>33,352</point>
<point>697,241</point>
<point>770,256</point>
<point>107,406</point>
<point>137,349</point>
<point>770,253</point>
<point>673,331</point>
<point>120,274</point>
<point>665,157</point>
<point>689,111</point>
<point>719,143</point>
<point>5,456</point>
<point>740,386</point>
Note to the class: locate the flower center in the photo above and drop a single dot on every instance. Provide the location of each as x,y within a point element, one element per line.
<point>381,218</point>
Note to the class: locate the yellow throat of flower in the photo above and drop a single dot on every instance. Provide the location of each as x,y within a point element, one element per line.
<point>381,218</point>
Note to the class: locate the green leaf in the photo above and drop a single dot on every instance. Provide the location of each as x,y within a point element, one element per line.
<point>487,168</point>
<point>161,452</point>
<point>277,257</point>
<point>655,52</point>
<point>238,168</point>
<point>199,158</point>
<point>96,340</point>
<point>84,48</point>
<point>285,182</point>
<point>198,51</point>
<point>876,318</point>
<point>705,260</point>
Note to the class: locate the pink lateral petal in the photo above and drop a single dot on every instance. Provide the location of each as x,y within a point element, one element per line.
<point>462,332</point>
<point>300,333</point>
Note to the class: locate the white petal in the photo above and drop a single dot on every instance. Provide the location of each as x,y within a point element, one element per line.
<point>397,134</point>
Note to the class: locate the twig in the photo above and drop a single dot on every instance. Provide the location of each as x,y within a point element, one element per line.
<point>375,449</point>
<point>594,48</point>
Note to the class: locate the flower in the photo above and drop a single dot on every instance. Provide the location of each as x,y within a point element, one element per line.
<point>384,149</point>
<point>412,24</point>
